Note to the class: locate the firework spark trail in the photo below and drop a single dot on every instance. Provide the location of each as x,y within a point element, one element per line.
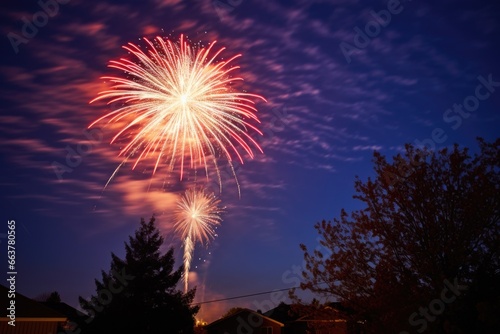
<point>197,216</point>
<point>188,255</point>
<point>178,107</point>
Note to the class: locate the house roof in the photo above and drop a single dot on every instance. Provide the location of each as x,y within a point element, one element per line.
<point>282,313</point>
<point>245,310</point>
<point>328,312</point>
<point>65,309</point>
<point>28,309</point>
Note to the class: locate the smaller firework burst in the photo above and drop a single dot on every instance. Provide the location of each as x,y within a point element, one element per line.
<point>197,215</point>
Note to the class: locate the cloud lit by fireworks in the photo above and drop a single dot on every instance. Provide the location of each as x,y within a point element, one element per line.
<point>197,216</point>
<point>178,107</point>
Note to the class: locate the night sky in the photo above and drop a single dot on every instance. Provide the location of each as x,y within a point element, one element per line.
<point>341,81</point>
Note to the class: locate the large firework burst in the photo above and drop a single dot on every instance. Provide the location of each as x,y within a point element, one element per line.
<point>177,106</point>
<point>197,215</point>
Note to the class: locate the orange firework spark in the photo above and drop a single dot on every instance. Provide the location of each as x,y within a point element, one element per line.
<point>177,105</point>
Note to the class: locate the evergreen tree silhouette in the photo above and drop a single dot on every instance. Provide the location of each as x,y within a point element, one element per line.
<point>139,293</point>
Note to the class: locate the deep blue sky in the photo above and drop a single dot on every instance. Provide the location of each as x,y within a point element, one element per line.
<point>395,88</point>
